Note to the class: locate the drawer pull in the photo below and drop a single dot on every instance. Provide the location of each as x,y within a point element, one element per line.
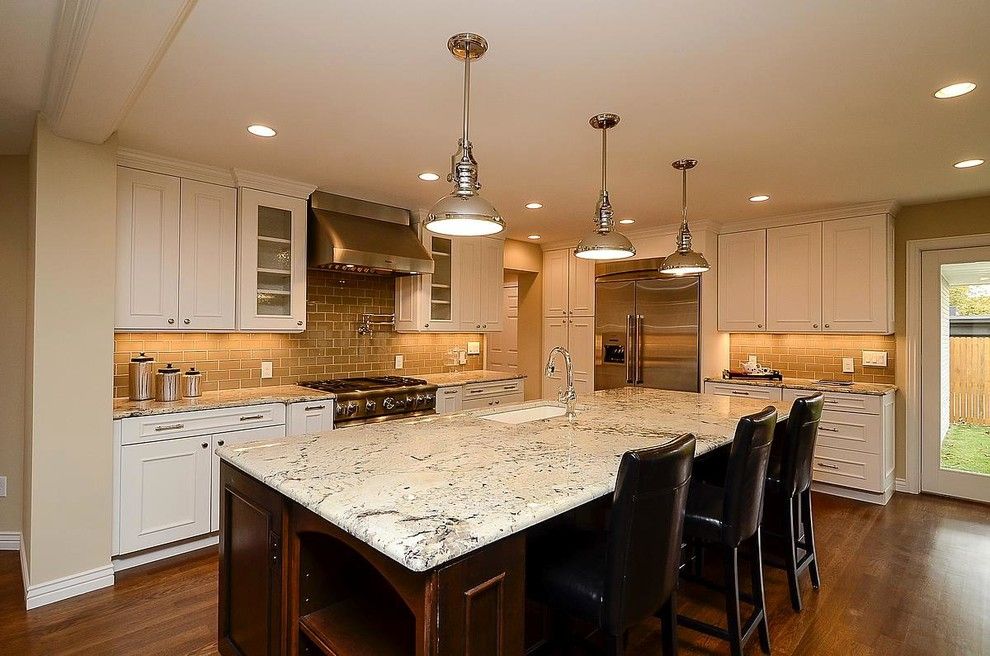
<point>159,429</point>
<point>738,393</point>
<point>830,430</point>
<point>250,417</point>
<point>826,465</point>
<point>509,387</point>
<point>313,407</point>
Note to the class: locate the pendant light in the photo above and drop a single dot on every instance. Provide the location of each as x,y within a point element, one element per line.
<point>684,261</point>
<point>463,212</point>
<point>605,243</point>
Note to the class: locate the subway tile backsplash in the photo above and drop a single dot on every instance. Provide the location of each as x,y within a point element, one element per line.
<point>329,348</point>
<point>814,356</point>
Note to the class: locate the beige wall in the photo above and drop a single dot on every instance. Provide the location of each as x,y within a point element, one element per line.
<point>68,446</point>
<point>13,291</point>
<point>970,216</point>
<point>523,256</point>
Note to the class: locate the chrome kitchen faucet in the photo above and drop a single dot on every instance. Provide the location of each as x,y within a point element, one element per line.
<point>567,396</point>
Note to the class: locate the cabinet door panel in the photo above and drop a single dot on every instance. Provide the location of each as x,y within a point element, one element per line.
<point>580,286</point>
<point>742,281</point>
<point>165,492</point>
<point>207,256</point>
<point>554,334</point>
<point>794,278</point>
<point>491,284</point>
<point>147,250</point>
<point>467,253</point>
<point>230,439</point>
<point>442,294</point>
<point>581,344</point>
<point>449,399</point>
<point>855,275</point>
<point>310,417</point>
<point>555,272</point>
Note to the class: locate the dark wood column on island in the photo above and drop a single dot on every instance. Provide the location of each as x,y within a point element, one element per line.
<point>408,537</point>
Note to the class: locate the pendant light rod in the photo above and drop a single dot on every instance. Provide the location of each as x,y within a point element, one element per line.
<point>604,162</point>
<point>467,97</point>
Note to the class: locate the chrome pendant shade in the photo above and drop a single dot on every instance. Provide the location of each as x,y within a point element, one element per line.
<point>684,261</point>
<point>463,212</point>
<point>605,243</point>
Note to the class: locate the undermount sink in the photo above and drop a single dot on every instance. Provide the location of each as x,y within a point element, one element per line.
<point>523,415</point>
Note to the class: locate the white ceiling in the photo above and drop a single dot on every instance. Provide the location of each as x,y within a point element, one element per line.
<point>818,104</point>
<point>25,39</point>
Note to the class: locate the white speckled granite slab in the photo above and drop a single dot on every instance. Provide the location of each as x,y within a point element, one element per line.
<point>464,377</point>
<point>123,408</point>
<point>873,389</point>
<point>427,490</point>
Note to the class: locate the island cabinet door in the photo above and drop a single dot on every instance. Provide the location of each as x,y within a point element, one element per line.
<point>481,601</point>
<point>252,607</point>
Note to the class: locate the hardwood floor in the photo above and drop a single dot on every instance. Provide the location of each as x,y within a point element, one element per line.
<point>911,578</point>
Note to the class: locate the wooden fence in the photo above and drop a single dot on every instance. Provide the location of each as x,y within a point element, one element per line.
<point>969,379</point>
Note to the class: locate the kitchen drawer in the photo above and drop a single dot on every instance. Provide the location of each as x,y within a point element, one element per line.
<point>496,388</point>
<point>867,403</point>
<point>745,391</point>
<point>862,471</point>
<point>853,431</point>
<point>475,403</point>
<point>136,430</point>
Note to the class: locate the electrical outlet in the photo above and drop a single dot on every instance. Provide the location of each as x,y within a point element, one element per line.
<point>847,366</point>
<point>752,359</point>
<point>874,358</point>
<point>3,486</point>
<point>266,369</point>
<point>399,361</point>
<point>474,348</point>
<point>462,357</point>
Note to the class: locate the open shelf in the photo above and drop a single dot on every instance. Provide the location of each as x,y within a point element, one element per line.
<point>355,626</point>
<point>274,240</point>
<point>284,272</point>
<point>278,292</point>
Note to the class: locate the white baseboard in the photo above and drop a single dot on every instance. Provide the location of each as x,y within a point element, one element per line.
<point>902,485</point>
<point>120,563</point>
<point>68,586</point>
<point>10,541</point>
<point>849,493</point>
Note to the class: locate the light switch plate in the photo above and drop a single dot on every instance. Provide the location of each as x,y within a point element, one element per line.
<point>847,366</point>
<point>266,369</point>
<point>462,357</point>
<point>874,358</point>
<point>474,348</point>
<point>399,361</point>
<point>752,359</point>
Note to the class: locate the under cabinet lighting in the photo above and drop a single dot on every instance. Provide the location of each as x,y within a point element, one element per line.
<point>261,130</point>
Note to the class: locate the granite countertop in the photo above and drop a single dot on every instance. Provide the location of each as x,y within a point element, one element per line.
<point>875,389</point>
<point>464,377</point>
<point>123,408</point>
<point>425,491</point>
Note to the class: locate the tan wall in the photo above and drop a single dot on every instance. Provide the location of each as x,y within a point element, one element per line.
<point>329,348</point>
<point>522,256</point>
<point>13,291</point>
<point>970,216</point>
<point>814,356</point>
<point>525,261</point>
<point>68,446</point>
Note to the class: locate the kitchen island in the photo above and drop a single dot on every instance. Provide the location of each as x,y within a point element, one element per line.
<point>408,537</point>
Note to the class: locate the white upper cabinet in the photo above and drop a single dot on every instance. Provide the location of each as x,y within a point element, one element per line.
<point>857,277</point>
<point>490,292</point>
<point>272,262</point>
<point>555,273</point>
<point>207,256</point>
<point>468,290</point>
<point>580,286</point>
<point>742,275</point>
<point>794,278</point>
<point>147,294</point>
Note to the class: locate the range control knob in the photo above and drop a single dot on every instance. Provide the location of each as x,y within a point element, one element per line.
<point>420,400</point>
<point>370,405</point>
<point>339,411</point>
<point>410,402</point>
<point>351,408</point>
<point>429,399</point>
<point>389,403</point>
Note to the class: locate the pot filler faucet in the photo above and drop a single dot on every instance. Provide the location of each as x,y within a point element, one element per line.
<point>567,396</point>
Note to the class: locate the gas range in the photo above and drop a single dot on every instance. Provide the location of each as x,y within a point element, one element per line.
<point>377,398</point>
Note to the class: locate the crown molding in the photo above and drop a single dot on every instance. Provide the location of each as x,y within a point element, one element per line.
<point>72,28</point>
<point>139,159</point>
<point>265,182</point>
<point>846,212</point>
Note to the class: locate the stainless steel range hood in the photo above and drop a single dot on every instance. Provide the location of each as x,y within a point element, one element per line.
<point>357,236</point>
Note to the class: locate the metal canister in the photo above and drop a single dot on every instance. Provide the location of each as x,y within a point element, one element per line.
<point>140,379</point>
<point>192,383</point>
<point>167,383</point>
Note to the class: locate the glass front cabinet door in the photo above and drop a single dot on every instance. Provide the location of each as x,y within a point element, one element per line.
<point>272,263</point>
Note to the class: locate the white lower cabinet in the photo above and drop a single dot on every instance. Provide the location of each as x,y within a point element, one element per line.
<point>449,399</point>
<point>474,396</point>
<point>230,439</point>
<point>309,417</point>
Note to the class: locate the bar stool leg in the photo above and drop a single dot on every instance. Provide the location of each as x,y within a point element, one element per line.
<point>759,600</point>
<point>668,627</point>
<point>791,554</point>
<point>732,599</point>
<point>809,538</point>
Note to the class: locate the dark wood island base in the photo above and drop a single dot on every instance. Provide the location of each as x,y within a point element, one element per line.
<point>293,583</point>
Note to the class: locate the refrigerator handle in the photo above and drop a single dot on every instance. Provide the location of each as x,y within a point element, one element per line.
<point>630,350</point>
<point>639,350</point>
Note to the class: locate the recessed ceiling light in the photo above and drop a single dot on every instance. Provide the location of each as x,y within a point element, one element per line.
<point>261,130</point>
<point>968,163</point>
<point>759,199</point>
<point>533,237</point>
<point>534,206</point>
<point>955,90</point>
<point>429,177</point>
<point>627,221</point>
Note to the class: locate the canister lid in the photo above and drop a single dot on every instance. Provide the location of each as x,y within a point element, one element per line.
<point>141,357</point>
<point>192,372</point>
<point>168,369</point>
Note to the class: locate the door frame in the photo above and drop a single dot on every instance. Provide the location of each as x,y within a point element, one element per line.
<point>908,375</point>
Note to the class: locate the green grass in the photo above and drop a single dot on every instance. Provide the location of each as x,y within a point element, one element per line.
<point>967,447</point>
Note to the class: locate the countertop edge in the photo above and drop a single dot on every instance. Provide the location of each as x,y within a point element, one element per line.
<point>809,385</point>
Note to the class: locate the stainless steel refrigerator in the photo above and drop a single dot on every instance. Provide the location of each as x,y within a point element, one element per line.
<point>646,327</point>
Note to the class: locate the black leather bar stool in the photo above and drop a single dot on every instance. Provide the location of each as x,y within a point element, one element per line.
<point>727,516</point>
<point>618,578</point>
<point>787,506</point>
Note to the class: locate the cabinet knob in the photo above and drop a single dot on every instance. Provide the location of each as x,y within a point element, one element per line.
<point>206,445</point>
<point>826,325</point>
<point>299,323</point>
<point>185,321</point>
<point>478,326</point>
<point>426,325</point>
<point>484,325</point>
<point>759,325</point>
<point>220,442</point>
<point>171,321</point>
<point>814,325</point>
